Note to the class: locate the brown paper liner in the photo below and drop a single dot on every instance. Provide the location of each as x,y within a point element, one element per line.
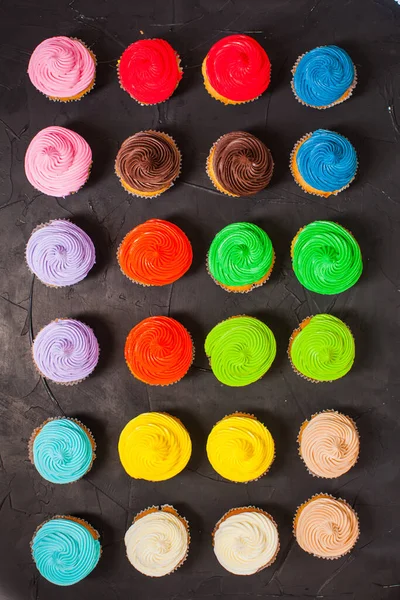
<point>315,497</point>
<point>214,94</point>
<point>243,289</point>
<point>238,511</point>
<point>82,522</point>
<point>86,90</point>
<point>304,425</point>
<point>299,179</point>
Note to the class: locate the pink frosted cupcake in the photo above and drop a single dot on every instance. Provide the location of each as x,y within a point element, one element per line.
<point>58,161</point>
<point>62,68</point>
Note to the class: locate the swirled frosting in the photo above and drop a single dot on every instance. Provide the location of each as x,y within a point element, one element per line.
<point>157,542</point>
<point>58,161</point>
<point>241,350</point>
<point>240,448</point>
<point>60,253</point>
<point>62,451</point>
<point>329,444</point>
<point>240,164</point>
<point>326,161</point>
<point>246,540</point>
<point>323,348</point>
<point>238,68</point>
<point>326,258</point>
<point>156,252</point>
<point>322,76</point>
<point>149,71</point>
<point>159,351</point>
<point>65,551</point>
<point>240,254</point>
<point>326,527</point>
<point>148,162</point>
<point>154,446</point>
<point>61,67</point>
<point>66,351</point>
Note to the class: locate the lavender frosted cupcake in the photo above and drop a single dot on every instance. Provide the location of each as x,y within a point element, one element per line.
<point>66,351</point>
<point>60,253</point>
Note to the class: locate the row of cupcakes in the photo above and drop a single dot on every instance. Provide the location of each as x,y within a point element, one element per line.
<point>156,446</point>
<point>236,70</point>
<point>58,162</point>
<point>159,350</point>
<point>326,257</point>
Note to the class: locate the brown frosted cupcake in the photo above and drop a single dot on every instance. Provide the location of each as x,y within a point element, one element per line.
<point>329,444</point>
<point>326,527</point>
<point>157,542</point>
<point>239,164</point>
<point>148,163</point>
<point>246,540</point>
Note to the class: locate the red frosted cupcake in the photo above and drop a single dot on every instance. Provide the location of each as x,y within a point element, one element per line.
<point>236,70</point>
<point>149,70</point>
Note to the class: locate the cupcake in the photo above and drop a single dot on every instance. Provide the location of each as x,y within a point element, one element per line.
<point>65,549</point>
<point>326,258</point>
<point>323,163</point>
<point>58,161</point>
<point>322,348</point>
<point>240,448</point>
<point>326,527</point>
<point>329,444</point>
<point>62,450</point>
<point>159,351</point>
<point>66,351</point>
<point>154,446</point>
<point>62,68</point>
<point>149,70</point>
<point>241,257</point>
<point>148,163</point>
<point>157,542</point>
<point>240,349</point>
<point>156,252</point>
<point>246,540</point>
<point>60,253</point>
<point>239,164</point>
<point>236,70</point>
<point>323,77</point>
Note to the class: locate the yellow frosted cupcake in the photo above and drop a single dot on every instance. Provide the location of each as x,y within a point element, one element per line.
<point>240,448</point>
<point>154,446</point>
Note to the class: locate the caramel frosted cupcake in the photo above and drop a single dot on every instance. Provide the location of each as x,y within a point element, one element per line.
<point>147,163</point>
<point>246,540</point>
<point>329,444</point>
<point>326,527</point>
<point>157,542</point>
<point>239,164</point>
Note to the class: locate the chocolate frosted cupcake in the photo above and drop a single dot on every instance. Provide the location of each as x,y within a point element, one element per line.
<point>239,164</point>
<point>147,163</point>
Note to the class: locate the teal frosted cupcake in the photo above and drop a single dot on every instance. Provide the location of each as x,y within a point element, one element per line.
<point>65,549</point>
<point>326,258</point>
<point>241,257</point>
<point>240,350</point>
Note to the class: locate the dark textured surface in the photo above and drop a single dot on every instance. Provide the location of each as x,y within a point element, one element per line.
<point>369,31</point>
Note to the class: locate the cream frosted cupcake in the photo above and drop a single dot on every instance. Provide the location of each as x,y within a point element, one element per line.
<point>157,542</point>
<point>329,444</point>
<point>246,540</point>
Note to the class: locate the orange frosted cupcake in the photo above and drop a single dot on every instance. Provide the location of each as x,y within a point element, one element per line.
<point>159,351</point>
<point>156,253</point>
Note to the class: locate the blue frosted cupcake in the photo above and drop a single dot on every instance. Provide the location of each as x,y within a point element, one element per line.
<point>324,77</point>
<point>323,163</point>
<point>65,549</point>
<point>62,450</point>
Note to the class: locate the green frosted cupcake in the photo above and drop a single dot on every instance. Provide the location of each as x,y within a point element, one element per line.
<point>241,257</point>
<point>326,258</point>
<point>322,348</point>
<point>240,350</point>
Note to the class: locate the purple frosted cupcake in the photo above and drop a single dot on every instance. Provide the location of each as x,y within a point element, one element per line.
<point>66,351</point>
<point>60,253</point>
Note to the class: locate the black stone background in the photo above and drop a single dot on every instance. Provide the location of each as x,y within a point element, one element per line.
<point>111,304</point>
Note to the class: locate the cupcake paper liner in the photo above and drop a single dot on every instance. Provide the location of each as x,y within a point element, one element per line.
<point>84,92</point>
<point>266,278</point>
